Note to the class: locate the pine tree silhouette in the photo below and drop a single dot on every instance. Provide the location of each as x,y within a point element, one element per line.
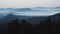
<point>14,27</point>
<point>43,26</point>
<point>29,28</point>
<point>58,27</point>
<point>49,21</point>
<point>24,26</point>
<point>59,21</point>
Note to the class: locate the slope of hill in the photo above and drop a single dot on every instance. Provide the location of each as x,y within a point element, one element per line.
<point>32,19</point>
<point>55,17</point>
<point>3,15</point>
<point>7,19</point>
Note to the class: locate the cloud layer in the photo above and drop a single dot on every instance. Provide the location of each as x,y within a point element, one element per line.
<point>36,13</point>
<point>30,12</point>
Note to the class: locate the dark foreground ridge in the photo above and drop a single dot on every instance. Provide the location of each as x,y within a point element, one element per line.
<point>48,25</point>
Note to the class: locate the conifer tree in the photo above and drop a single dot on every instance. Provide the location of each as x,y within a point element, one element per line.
<point>49,21</point>
<point>14,27</point>
<point>24,26</point>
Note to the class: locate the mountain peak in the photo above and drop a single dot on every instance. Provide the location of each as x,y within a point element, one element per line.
<point>8,18</point>
<point>10,15</point>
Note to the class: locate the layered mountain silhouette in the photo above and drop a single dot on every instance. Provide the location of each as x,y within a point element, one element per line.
<point>42,27</point>
<point>32,19</point>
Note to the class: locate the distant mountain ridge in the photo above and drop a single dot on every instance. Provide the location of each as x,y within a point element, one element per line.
<point>32,19</point>
<point>24,9</point>
<point>29,9</point>
<point>10,17</point>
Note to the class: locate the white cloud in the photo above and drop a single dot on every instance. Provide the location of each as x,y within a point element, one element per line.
<point>4,12</point>
<point>36,13</point>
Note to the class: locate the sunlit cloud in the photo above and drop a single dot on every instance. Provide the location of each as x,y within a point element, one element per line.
<point>47,13</point>
<point>41,12</point>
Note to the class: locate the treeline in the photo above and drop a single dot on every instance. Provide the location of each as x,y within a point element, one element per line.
<point>45,26</point>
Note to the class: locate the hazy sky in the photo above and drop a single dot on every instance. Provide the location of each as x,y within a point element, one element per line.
<point>28,3</point>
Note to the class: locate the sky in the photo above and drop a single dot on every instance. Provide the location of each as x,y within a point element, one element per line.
<point>28,3</point>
